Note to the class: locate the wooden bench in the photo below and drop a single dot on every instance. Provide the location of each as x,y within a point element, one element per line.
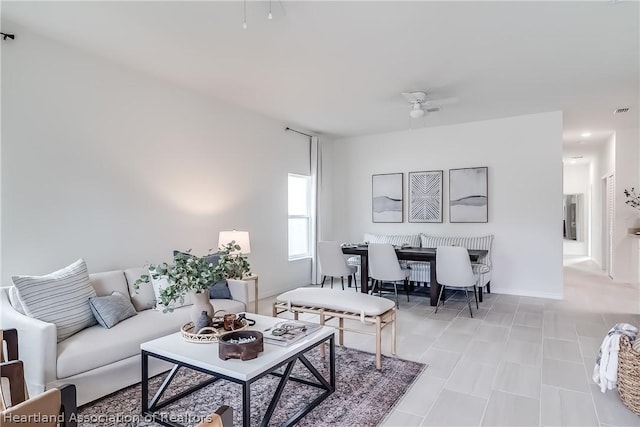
<point>337,304</point>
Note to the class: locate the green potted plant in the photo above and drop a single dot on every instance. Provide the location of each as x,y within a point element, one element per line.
<point>187,274</point>
<point>232,264</point>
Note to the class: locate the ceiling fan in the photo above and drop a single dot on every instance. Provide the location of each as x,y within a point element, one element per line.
<point>420,104</point>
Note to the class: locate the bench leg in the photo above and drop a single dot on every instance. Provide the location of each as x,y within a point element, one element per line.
<point>393,332</point>
<point>378,343</point>
<point>341,334</point>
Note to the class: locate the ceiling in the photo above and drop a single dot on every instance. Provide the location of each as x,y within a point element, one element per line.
<point>338,68</point>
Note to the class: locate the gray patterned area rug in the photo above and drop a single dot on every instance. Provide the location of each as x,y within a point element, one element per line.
<point>363,395</point>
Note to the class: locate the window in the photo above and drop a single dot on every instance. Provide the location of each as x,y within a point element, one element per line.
<point>299,216</point>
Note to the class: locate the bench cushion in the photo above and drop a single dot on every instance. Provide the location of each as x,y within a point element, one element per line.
<point>469,242</point>
<point>334,299</point>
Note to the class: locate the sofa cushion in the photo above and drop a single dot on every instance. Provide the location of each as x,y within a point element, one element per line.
<point>411,240</point>
<point>61,297</point>
<point>143,298</point>
<point>96,346</point>
<point>111,309</point>
<point>109,281</point>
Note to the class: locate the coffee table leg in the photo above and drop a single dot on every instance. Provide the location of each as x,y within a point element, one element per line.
<point>246,404</point>
<point>145,382</point>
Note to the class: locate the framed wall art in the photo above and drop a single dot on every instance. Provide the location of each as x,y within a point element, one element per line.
<point>468,195</point>
<point>386,197</point>
<point>425,196</point>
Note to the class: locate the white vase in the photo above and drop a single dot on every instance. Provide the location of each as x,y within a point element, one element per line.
<point>201,303</point>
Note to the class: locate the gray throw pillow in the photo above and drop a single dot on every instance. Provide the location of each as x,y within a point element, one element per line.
<point>220,290</point>
<point>112,309</point>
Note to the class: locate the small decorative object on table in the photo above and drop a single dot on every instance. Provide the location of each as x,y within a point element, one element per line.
<point>211,334</point>
<point>204,321</point>
<point>243,345</point>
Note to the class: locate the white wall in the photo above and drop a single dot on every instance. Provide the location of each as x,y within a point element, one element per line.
<point>525,191</point>
<point>576,181</point>
<point>104,163</point>
<point>626,257</point>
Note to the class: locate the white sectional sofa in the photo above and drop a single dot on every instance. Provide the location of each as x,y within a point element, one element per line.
<point>97,360</point>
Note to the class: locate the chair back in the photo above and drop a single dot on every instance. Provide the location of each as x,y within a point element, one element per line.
<point>45,407</point>
<point>453,266</point>
<point>383,263</point>
<point>332,262</point>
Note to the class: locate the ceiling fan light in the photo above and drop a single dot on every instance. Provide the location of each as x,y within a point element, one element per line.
<point>416,113</point>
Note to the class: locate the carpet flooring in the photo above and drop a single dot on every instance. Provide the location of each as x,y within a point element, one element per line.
<point>363,395</point>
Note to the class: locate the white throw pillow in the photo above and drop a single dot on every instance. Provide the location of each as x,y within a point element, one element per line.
<point>158,285</point>
<point>61,297</point>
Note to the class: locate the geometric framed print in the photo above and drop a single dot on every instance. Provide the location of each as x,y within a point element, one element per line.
<point>425,196</point>
<point>386,197</point>
<point>468,195</point>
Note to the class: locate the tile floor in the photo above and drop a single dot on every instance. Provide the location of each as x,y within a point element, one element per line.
<point>520,361</point>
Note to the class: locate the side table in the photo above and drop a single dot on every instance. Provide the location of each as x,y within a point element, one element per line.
<point>254,277</point>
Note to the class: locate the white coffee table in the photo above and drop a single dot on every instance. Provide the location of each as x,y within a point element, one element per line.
<point>204,358</point>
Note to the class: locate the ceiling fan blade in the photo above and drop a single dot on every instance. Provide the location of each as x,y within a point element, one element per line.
<point>409,97</point>
<point>432,109</point>
<point>440,102</point>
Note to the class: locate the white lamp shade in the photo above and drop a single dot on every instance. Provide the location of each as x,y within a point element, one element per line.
<point>240,237</point>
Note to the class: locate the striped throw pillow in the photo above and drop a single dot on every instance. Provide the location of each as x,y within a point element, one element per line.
<point>61,297</point>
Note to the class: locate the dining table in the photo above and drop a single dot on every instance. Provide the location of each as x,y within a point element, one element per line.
<point>406,254</point>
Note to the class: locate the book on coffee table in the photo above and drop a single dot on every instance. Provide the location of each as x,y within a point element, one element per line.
<point>288,332</point>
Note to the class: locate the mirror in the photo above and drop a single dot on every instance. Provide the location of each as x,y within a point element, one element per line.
<point>572,219</point>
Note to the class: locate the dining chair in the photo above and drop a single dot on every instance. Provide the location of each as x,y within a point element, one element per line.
<point>453,270</point>
<point>15,403</point>
<point>333,264</point>
<point>385,268</point>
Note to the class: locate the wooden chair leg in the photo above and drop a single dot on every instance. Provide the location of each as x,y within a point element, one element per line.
<point>475,295</point>
<point>331,282</point>
<point>480,293</point>
<point>488,288</point>
<point>342,281</point>
<point>323,279</point>
<point>349,277</point>
<point>406,288</point>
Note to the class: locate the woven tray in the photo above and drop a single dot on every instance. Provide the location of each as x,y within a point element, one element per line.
<point>188,333</point>
<point>629,375</point>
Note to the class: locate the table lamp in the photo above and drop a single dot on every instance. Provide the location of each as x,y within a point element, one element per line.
<point>240,237</point>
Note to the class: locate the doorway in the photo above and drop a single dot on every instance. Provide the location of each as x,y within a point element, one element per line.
<point>608,214</point>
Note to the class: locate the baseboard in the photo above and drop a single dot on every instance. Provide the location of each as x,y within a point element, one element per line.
<point>535,294</point>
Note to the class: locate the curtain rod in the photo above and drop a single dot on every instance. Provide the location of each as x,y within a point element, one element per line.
<point>297,131</point>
